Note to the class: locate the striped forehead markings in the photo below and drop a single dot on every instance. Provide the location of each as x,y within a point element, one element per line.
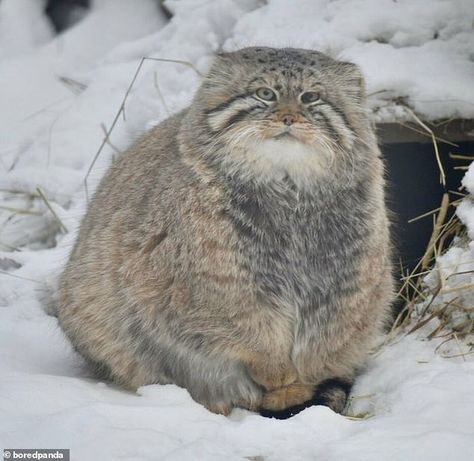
<point>228,102</point>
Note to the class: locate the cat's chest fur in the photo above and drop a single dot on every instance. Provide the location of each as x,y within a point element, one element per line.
<point>302,249</point>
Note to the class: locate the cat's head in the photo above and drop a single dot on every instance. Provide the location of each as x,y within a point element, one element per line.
<point>282,111</point>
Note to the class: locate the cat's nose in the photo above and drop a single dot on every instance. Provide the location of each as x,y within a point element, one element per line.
<point>288,119</point>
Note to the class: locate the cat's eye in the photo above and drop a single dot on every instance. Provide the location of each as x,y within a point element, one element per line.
<point>266,94</point>
<point>310,96</point>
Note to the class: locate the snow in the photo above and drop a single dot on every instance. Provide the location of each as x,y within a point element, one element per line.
<point>22,26</point>
<point>465,210</point>
<point>60,93</point>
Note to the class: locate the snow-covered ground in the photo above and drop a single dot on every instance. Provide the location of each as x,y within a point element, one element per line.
<point>58,95</point>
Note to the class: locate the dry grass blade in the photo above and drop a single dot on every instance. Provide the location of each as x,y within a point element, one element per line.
<point>455,192</point>
<point>418,274</point>
<point>463,355</point>
<point>361,417</point>
<point>20,192</point>
<point>424,133</point>
<point>107,140</point>
<point>437,313</point>
<point>467,286</point>
<point>75,86</point>
<point>432,300</point>
<point>56,217</point>
<point>435,144</point>
<point>177,61</point>
<point>19,277</point>
<point>431,212</point>
<point>468,158</point>
<point>424,215</point>
<point>443,210</point>
<point>121,110</point>
<point>459,273</point>
<point>160,94</point>
<point>435,333</point>
<point>20,210</point>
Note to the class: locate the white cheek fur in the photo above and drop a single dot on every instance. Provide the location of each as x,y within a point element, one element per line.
<point>274,159</point>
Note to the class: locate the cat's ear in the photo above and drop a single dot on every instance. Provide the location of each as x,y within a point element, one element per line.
<point>222,54</point>
<point>217,77</point>
<point>221,61</point>
<point>353,78</point>
<point>224,59</point>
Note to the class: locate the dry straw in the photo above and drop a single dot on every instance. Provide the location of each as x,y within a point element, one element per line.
<point>424,305</point>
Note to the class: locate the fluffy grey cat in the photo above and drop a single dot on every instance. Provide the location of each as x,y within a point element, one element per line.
<point>241,248</point>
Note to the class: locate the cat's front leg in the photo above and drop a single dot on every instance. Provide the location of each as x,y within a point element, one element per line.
<point>271,372</point>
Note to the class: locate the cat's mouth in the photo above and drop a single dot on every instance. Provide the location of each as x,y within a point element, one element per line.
<point>294,133</point>
<point>286,133</point>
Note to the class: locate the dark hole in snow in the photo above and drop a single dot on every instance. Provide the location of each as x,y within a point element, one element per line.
<point>66,13</point>
<point>414,189</point>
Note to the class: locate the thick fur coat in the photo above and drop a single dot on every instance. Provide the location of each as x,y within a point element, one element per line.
<point>241,248</point>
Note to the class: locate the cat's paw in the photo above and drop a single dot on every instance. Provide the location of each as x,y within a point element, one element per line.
<point>286,397</point>
<point>273,376</point>
<point>219,408</point>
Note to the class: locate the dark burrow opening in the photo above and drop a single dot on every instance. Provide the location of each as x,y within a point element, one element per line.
<point>413,188</point>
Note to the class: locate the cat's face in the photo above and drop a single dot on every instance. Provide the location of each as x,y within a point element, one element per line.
<point>283,109</point>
